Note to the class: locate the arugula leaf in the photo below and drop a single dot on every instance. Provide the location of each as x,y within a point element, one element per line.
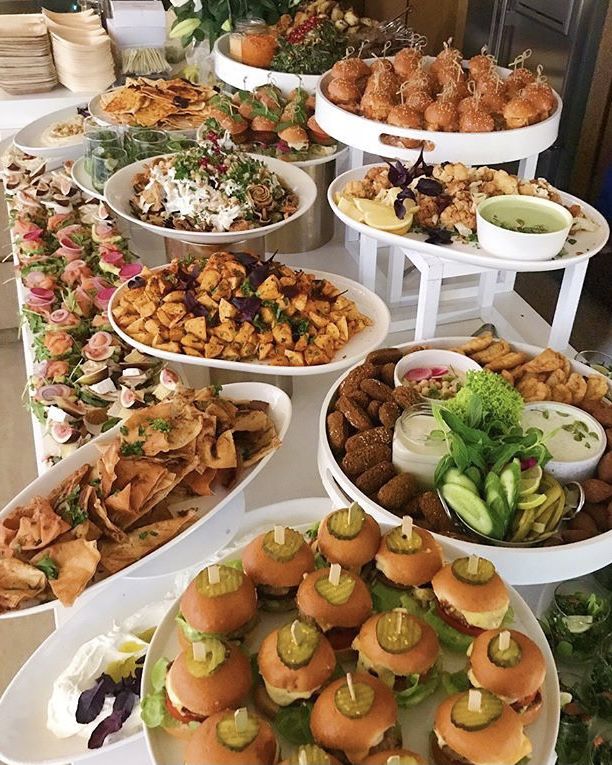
<point>293,723</point>
<point>454,682</point>
<point>418,690</point>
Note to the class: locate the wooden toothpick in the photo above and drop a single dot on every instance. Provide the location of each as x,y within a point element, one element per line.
<point>474,700</point>
<point>214,575</point>
<point>334,574</point>
<point>407,526</point>
<point>504,640</point>
<point>241,719</point>
<point>295,631</point>
<point>279,535</point>
<point>473,563</point>
<point>351,687</point>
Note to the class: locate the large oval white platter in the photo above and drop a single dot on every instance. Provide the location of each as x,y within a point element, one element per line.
<point>469,148</point>
<point>208,507</point>
<point>518,565</point>
<point>369,338</point>
<point>119,190</point>
<point>246,77</point>
<point>583,245</point>
<point>82,179</point>
<point>417,722</point>
<point>30,138</point>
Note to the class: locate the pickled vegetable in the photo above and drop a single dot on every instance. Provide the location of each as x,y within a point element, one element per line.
<point>508,657</point>
<point>216,653</point>
<point>346,523</point>
<point>483,574</point>
<point>234,739</point>
<point>296,644</point>
<point>288,550</point>
<point>336,594</point>
<point>491,709</point>
<point>398,632</point>
<point>230,580</point>
<point>398,542</point>
<point>312,755</point>
<point>360,705</point>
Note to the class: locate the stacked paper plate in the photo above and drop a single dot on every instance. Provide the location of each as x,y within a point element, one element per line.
<point>26,65</point>
<point>81,49</point>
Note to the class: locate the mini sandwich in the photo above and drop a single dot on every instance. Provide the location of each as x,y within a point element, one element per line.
<point>477,728</point>
<point>295,137</point>
<point>354,717</point>
<point>408,557</point>
<point>294,662</point>
<point>394,757</point>
<point>402,651</point>
<point>203,679</point>
<point>471,595</point>
<point>220,602</point>
<point>510,665</point>
<point>276,562</point>
<point>233,737</point>
<point>310,754</point>
<point>338,601</point>
<point>349,537</point>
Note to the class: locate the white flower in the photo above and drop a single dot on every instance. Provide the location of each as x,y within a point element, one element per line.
<point>180,3</point>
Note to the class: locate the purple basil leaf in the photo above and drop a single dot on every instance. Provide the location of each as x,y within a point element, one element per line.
<point>438,236</point>
<point>443,201</point>
<point>137,281</point>
<point>91,701</point>
<point>122,708</point>
<point>246,259</point>
<point>430,187</point>
<point>399,207</point>
<point>290,291</point>
<point>248,307</point>
<point>194,306</point>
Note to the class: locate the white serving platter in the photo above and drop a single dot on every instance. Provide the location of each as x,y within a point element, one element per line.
<point>469,148</point>
<point>82,179</point>
<point>585,245</point>
<point>245,77</point>
<point>518,565</point>
<point>119,190</point>
<point>416,722</point>
<point>208,507</point>
<point>369,338</point>
<point>30,138</point>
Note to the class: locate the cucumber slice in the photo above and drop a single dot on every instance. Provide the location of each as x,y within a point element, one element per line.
<point>308,754</point>
<point>234,739</point>
<point>398,542</point>
<point>491,709</point>
<point>453,476</point>
<point>484,573</point>
<point>510,478</point>
<point>286,551</point>
<point>336,594</point>
<point>295,654</point>
<point>230,580</point>
<point>398,632</point>
<point>475,476</point>
<point>469,507</point>
<point>216,654</point>
<point>507,658</point>
<point>339,526</point>
<point>498,507</point>
<point>360,706</point>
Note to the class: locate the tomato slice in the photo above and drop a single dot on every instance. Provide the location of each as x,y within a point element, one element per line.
<point>341,637</point>
<point>465,629</point>
<point>182,718</point>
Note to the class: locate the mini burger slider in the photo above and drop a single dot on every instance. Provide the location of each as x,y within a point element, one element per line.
<point>510,665</point>
<point>477,728</point>
<point>233,737</point>
<point>408,556</point>
<point>310,754</point>
<point>471,595</point>
<point>394,757</point>
<point>276,562</point>
<point>401,650</point>
<point>205,678</point>
<point>337,600</point>
<point>349,537</point>
<point>221,601</point>
<point>294,662</point>
<point>354,717</point>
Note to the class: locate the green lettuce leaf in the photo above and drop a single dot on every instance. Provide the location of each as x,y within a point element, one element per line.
<point>418,691</point>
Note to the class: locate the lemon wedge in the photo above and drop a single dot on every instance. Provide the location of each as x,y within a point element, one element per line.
<point>530,481</point>
<point>347,206</point>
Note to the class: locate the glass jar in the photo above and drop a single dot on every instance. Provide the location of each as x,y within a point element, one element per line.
<point>415,449</point>
<point>252,42</point>
<point>142,143</point>
<point>96,135</point>
<point>577,620</point>
<point>105,162</point>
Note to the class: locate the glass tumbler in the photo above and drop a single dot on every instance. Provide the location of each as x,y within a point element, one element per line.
<point>142,143</point>
<point>180,143</point>
<point>105,162</point>
<point>577,620</point>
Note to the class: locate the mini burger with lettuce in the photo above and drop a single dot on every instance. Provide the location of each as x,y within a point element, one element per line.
<point>348,536</point>
<point>408,557</point>
<point>233,737</point>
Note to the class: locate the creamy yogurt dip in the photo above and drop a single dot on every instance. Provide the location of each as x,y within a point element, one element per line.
<point>414,451</point>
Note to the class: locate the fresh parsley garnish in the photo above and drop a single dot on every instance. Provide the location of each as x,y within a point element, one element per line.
<point>133,449</point>
<point>163,426</point>
<point>48,566</point>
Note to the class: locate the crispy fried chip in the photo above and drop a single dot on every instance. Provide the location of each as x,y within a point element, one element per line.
<point>19,582</point>
<point>32,526</point>
<point>597,388</point>
<point>66,487</point>
<point>474,346</point>
<point>77,562</point>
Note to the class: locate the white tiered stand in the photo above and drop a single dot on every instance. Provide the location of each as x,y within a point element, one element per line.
<point>364,135</point>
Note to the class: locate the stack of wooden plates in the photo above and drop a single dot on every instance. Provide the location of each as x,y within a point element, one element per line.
<point>26,65</point>
<point>82,50</point>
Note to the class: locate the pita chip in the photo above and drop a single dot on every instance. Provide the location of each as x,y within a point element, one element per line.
<point>19,582</point>
<point>77,562</point>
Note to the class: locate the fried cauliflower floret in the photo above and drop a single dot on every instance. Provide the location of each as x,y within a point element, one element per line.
<point>428,214</point>
<point>450,171</point>
<point>363,189</point>
<point>505,183</point>
<point>379,176</point>
<point>460,214</point>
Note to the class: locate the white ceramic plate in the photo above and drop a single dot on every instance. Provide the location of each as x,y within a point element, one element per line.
<point>82,179</point>
<point>518,565</point>
<point>365,341</point>
<point>208,507</point>
<point>246,77</point>
<point>30,137</point>
<point>119,190</point>
<point>585,245</point>
<point>416,722</point>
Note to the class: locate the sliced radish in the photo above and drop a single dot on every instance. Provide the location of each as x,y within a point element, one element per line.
<point>439,371</point>
<point>418,373</point>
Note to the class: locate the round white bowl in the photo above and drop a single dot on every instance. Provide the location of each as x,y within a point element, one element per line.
<point>511,245</point>
<point>434,357</point>
<point>119,189</point>
<point>575,470</point>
